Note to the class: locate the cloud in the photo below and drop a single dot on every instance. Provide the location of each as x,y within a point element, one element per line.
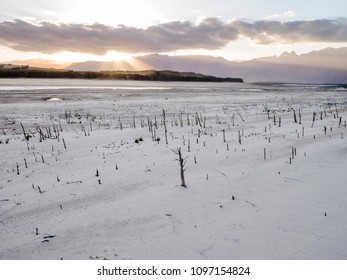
<point>208,34</point>
<point>323,30</point>
<point>98,38</point>
<point>287,14</point>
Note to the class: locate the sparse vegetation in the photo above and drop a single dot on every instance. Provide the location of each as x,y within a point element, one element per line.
<point>114,161</point>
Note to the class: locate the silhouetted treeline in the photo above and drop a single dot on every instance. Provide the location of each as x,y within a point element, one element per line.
<point>148,75</point>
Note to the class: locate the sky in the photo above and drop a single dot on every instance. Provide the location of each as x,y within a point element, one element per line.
<point>105,30</point>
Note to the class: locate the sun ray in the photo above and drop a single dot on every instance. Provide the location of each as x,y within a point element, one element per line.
<point>78,57</point>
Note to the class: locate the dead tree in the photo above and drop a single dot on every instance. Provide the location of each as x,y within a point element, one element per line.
<point>197,119</point>
<point>182,162</point>
<point>120,123</point>
<point>164,119</point>
<point>295,120</point>
<point>180,119</point>
<point>313,118</point>
<point>337,113</point>
<point>25,135</point>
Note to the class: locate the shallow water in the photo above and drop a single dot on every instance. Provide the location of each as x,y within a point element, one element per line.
<point>42,90</point>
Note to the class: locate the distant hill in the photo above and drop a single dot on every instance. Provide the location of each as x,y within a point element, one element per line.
<point>324,66</point>
<point>329,58</point>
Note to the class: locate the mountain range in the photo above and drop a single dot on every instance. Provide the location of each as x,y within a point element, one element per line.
<point>324,66</point>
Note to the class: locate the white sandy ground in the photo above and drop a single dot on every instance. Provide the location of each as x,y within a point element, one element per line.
<point>140,211</point>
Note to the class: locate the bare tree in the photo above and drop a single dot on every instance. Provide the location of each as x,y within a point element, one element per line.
<point>164,119</point>
<point>182,161</point>
<point>337,113</point>
<point>295,120</point>
<point>313,118</point>
<point>25,135</point>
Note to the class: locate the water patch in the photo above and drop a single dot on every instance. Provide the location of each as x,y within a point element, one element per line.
<point>32,88</point>
<point>53,99</point>
<point>251,90</point>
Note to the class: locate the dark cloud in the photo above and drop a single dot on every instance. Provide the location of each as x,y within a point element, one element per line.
<point>209,34</point>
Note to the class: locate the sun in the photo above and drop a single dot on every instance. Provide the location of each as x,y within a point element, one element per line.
<point>122,60</point>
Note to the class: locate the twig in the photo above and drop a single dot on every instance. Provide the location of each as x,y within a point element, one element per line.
<point>241,117</point>
<point>221,172</point>
<point>74,182</point>
<point>250,203</point>
<point>287,178</point>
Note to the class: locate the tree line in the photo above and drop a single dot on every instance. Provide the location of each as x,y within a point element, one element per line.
<point>148,75</point>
